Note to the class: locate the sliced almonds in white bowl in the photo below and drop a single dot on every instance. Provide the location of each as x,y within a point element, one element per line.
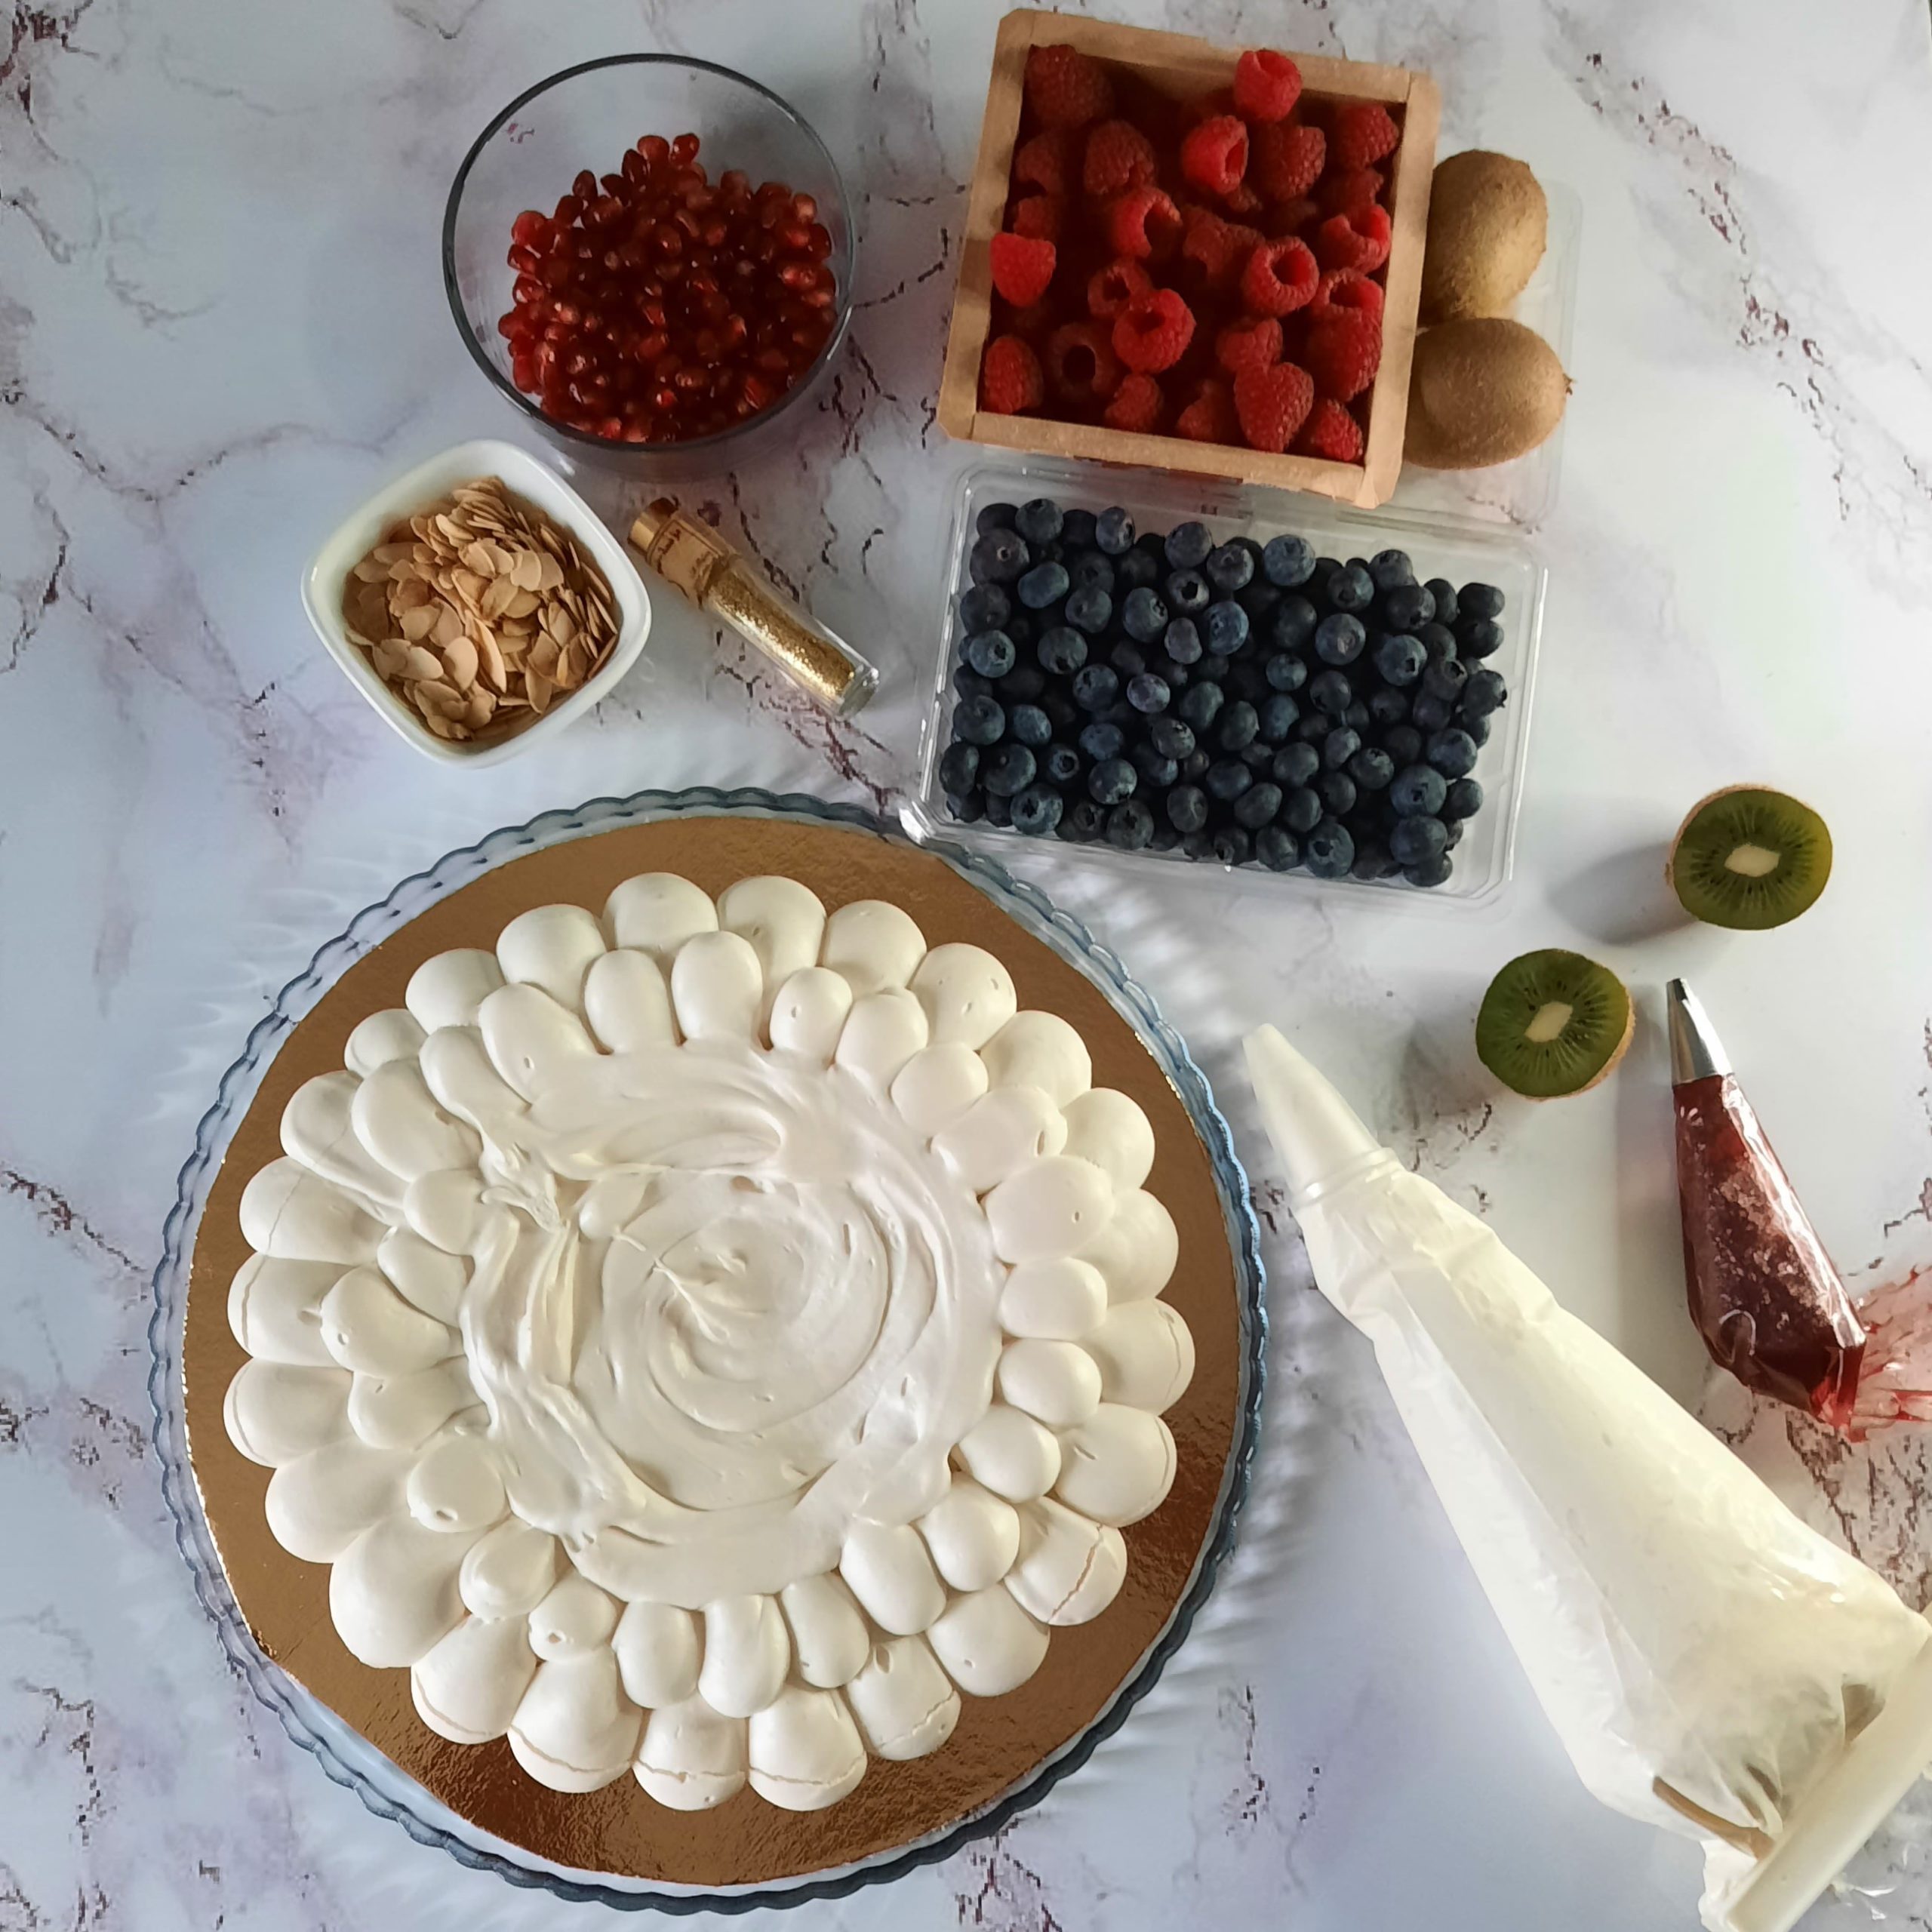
<point>478,603</point>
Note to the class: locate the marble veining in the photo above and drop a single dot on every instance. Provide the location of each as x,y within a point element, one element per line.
<point>221,321</point>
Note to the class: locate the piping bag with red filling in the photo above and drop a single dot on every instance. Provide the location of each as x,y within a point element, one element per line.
<point>1711,1665</point>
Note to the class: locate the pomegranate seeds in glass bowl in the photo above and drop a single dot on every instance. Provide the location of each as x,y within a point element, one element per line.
<point>657,317</point>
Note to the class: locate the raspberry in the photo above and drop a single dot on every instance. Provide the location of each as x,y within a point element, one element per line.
<point>1242,200</point>
<point>1343,351</point>
<point>1065,89</point>
<point>1217,248</point>
<point>1270,405</point>
<point>1361,134</point>
<point>1045,162</point>
<point>1142,223</point>
<point>1279,277</point>
<point>1330,432</point>
<point>1267,85</point>
<point>1358,240</point>
<point>1346,288</point>
<point>1119,156</point>
<point>1037,217</point>
<point>1081,368</point>
<point>1209,417</point>
<point>1249,345</point>
<point>1010,377</point>
<point>1109,290</point>
<point>1136,404</point>
<point>1287,160</point>
<point>1214,156</point>
<point>1152,332</point>
<point>1343,194</point>
<point>1022,267</point>
<point>1288,218</point>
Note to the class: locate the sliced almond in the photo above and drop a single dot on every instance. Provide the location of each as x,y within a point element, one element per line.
<point>369,571</point>
<point>527,571</point>
<point>469,585</point>
<point>482,709</point>
<point>459,662</point>
<point>490,662</point>
<point>480,557</point>
<point>538,687</point>
<point>543,654</point>
<point>496,597</point>
<point>417,624</point>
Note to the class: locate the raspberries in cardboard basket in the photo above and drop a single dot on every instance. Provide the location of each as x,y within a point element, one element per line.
<point>1286,160</point>
<point>1022,267</point>
<point>1136,405</point>
<point>1249,345</point>
<point>1082,370</point>
<point>1039,218</point>
<point>1361,134</point>
<point>1064,89</point>
<point>1279,277</point>
<point>1267,85</point>
<point>1271,404</point>
<point>1331,433</point>
<point>1118,157</point>
<point>1010,380</point>
<point>1342,353</point>
<point>1152,332</point>
<point>1346,288</point>
<point>1214,156</point>
<point>1209,417</point>
<point>1359,241</point>
<point>1109,290</point>
<point>1344,193</point>
<point>1045,162</point>
<point>1142,224</point>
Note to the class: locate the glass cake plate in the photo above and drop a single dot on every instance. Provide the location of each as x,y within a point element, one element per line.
<point>343,1753</point>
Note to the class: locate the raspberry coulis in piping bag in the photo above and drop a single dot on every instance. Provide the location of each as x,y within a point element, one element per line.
<point>1711,1664</point>
<point>1771,1308</point>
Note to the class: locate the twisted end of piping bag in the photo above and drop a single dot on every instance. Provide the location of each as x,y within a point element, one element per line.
<point>1320,1138</point>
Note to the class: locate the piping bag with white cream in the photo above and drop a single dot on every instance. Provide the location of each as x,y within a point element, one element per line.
<point>1711,1664</point>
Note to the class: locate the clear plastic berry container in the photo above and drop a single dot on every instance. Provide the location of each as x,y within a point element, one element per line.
<point>1439,546</point>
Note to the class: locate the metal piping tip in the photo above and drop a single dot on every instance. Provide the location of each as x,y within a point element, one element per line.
<point>1696,1052</point>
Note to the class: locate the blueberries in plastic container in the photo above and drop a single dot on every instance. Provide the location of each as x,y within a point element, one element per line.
<point>1328,851</point>
<point>1028,725</point>
<point>1430,714</point>
<point>1340,745</point>
<point>1060,651</point>
<point>1060,764</point>
<point>1039,521</point>
<point>1236,726</point>
<point>979,721</point>
<point>1111,780</point>
<point>1372,769</point>
<point>1413,841</point>
<point>1405,606</point>
<point>1103,739</point>
<point>1484,693</point>
<point>1257,805</point>
<point>1399,659</point>
<point>1129,826</point>
<point>1417,791</point>
<point>1095,686</point>
<point>994,516</point>
<point>1089,610</point>
<point>1043,585</point>
<point>1338,639</point>
<point>1113,531</point>
<point>1188,592</point>
<point>1287,561</point>
<point>1294,765</point>
<point>1453,753</point>
<point>1007,769</point>
<point>1350,587</point>
<point>1134,569</point>
<point>1187,808</point>
<point>1149,693</point>
<point>1228,779</point>
<point>1389,568</point>
<point>1479,600</point>
<point>1329,691</point>
<point>1144,615</point>
<point>1477,638</point>
<point>1188,546</point>
<point>1229,568</point>
<point>992,654</point>
<point>1277,848</point>
<point>984,607</point>
<point>1037,810</point>
<point>959,766</point>
<point>1001,556</point>
<point>1442,593</point>
<point>1463,799</point>
<point>1276,715</point>
<point>1232,845</point>
<point>1336,791</point>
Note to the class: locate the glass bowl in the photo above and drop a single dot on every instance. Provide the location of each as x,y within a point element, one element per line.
<point>586,117</point>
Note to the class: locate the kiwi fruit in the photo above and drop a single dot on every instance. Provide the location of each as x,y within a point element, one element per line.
<point>1488,225</point>
<point>1553,1022</point>
<point>1749,859</point>
<point>1481,392</point>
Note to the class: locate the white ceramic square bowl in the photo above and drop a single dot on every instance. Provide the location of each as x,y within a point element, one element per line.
<point>526,476</point>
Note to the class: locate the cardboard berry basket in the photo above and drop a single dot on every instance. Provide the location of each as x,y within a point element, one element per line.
<point>1182,67</point>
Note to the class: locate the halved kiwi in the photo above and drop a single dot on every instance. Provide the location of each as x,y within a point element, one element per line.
<point>1553,1022</point>
<point>1749,859</point>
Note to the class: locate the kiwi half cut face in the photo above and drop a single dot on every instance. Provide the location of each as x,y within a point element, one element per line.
<point>1749,859</point>
<point>1553,1022</point>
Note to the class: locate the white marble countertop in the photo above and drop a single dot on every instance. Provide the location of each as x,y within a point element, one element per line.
<point>221,320</point>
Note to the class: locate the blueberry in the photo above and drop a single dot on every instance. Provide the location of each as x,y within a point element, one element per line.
<point>1453,753</point>
<point>1260,601</point>
<point>1199,845</point>
<point>1387,707</point>
<point>959,766</point>
<point>1406,606</point>
<point>1403,743</point>
<point>1157,773</point>
<point>1313,726</point>
<point>1062,712</point>
<point>1144,616</point>
<point>1113,530</point>
<point>1371,768</point>
<point>1135,570</point>
<point>1389,568</point>
<point>1418,791</point>
<point>1179,676</point>
<point>1477,728</point>
<point>1276,847</point>
<point>968,809</point>
<point>1485,692</point>
<point>1089,609</point>
<point>1001,556</point>
<point>1229,568</point>
<point>1061,650</point>
<point>1277,716</point>
<point>1355,716</point>
<point>968,683</point>
<point>1037,810</point>
<point>1232,845</point>
<point>984,607</point>
<point>1129,826</point>
<point>1237,726</point>
<point>1453,830</point>
<point>1020,628</point>
<point>1329,691</point>
<point>1059,765</point>
<point>1214,668</point>
<point>1399,659</point>
<point>1294,624</point>
<point>1337,790</point>
<point>1349,588</point>
<point>1340,745</point>
<point>1022,684</point>
<point>1478,637</point>
<point>1257,805</point>
<point>979,721</point>
<point>1462,800</point>
<point>1442,593</point>
<point>1187,808</point>
<point>1007,769</point>
<point>1188,546</point>
<point>1201,704</point>
<point>1095,686</point>
<point>1043,585</point>
<point>1328,851</point>
<point>1227,628</point>
<point>1090,570</point>
<point>1372,860</point>
<point>1339,639</point>
<point>1182,641</point>
<point>1437,641</point>
<point>1414,840</point>
<point>1285,672</point>
<point>1445,680</point>
<point>1111,780</point>
<point>1479,600</point>
<point>1246,679</point>
<point>1086,820</point>
<point>1229,779</point>
<point>1188,592</point>
<point>1128,658</point>
<point>1287,561</point>
<point>1429,714</point>
<point>1028,725</point>
<point>1294,764</point>
<point>1165,838</point>
<point>992,654</point>
<point>1194,766</point>
<point>1170,736</point>
<point>1301,810</point>
<point>1432,872</point>
<point>1038,521</point>
<point>1148,692</point>
<point>1258,757</point>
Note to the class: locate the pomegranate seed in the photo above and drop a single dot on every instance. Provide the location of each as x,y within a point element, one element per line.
<point>585,186</point>
<point>684,148</point>
<point>655,149</point>
<point>524,259</point>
